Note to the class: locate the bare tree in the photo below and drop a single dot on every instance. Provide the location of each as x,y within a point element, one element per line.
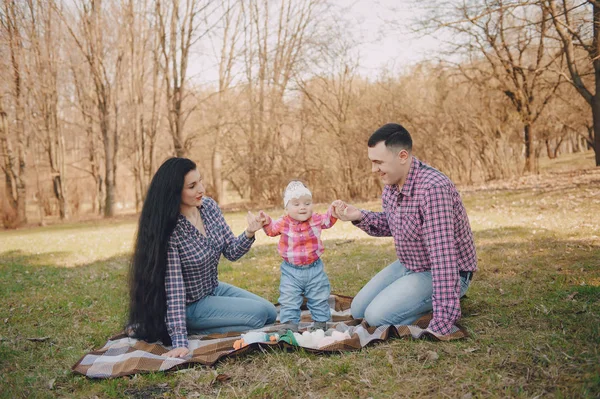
<point>143,65</point>
<point>14,165</point>
<point>44,37</point>
<point>84,95</point>
<point>332,97</point>
<point>506,42</point>
<point>178,29</point>
<point>228,52</point>
<point>91,39</point>
<point>575,32</point>
<point>276,48</point>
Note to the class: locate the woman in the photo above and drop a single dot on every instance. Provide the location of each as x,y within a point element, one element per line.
<point>173,278</point>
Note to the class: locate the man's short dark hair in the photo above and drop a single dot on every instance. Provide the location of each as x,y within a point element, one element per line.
<point>395,136</point>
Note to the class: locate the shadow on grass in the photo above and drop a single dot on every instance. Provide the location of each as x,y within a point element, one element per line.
<point>526,252</point>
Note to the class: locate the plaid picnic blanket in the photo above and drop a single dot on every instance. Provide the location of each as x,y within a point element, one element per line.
<point>123,355</point>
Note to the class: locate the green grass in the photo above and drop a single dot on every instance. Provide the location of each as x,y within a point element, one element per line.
<point>533,310</point>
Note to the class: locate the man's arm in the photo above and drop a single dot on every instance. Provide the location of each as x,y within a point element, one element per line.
<point>373,223</point>
<point>438,237</point>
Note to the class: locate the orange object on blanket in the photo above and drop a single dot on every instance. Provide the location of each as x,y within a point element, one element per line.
<point>239,344</point>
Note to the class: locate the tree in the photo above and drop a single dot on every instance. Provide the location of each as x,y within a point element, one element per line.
<point>276,48</point>
<point>44,37</point>
<point>177,30</point>
<point>105,71</point>
<point>576,32</point>
<point>14,165</point>
<point>228,53</point>
<point>331,98</point>
<point>84,96</point>
<point>506,42</point>
<point>142,96</point>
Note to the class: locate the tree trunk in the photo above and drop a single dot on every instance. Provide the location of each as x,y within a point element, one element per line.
<point>10,216</point>
<point>109,180</point>
<point>596,119</point>
<point>217,166</point>
<point>530,157</point>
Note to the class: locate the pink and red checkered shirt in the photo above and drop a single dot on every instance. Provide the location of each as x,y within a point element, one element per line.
<point>431,231</point>
<point>300,243</point>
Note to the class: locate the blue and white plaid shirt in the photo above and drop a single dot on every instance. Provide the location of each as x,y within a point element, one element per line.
<point>192,261</point>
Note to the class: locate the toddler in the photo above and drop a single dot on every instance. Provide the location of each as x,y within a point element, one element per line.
<point>300,246</point>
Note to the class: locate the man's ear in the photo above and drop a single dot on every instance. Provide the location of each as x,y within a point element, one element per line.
<point>403,155</point>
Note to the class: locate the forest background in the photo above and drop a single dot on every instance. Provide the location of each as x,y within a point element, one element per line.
<point>95,94</point>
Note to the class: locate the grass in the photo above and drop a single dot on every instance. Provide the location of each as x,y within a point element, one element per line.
<point>533,310</point>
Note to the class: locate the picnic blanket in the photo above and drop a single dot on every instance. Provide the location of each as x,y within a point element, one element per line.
<point>123,355</point>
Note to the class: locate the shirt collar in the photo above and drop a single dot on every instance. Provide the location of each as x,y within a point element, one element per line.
<point>295,222</point>
<point>409,183</point>
<point>183,221</point>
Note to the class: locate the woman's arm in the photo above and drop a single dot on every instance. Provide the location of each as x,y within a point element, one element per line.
<point>235,247</point>
<point>175,292</point>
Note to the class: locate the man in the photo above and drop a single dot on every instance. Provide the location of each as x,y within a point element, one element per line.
<point>424,213</point>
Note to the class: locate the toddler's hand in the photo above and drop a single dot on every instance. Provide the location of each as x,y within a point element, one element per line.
<point>346,212</point>
<point>263,218</point>
<point>338,208</point>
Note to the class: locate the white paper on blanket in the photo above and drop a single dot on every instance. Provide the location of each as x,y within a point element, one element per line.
<point>317,339</point>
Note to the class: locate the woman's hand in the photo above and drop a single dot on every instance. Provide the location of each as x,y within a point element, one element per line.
<point>254,224</point>
<point>177,352</point>
<point>345,212</point>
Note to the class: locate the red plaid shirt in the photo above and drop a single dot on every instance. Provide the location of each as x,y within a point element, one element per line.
<point>300,243</point>
<point>431,231</point>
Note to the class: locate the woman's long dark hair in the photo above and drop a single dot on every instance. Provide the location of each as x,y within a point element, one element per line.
<point>148,299</point>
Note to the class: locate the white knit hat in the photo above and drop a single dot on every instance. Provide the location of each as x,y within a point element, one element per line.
<point>295,190</point>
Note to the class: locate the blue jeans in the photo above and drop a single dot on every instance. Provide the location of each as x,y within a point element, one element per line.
<point>397,295</point>
<point>229,308</point>
<point>310,281</point>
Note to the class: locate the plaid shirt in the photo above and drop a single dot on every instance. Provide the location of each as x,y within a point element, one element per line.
<point>431,232</point>
<point>192,261</point>
<point>300,243</point>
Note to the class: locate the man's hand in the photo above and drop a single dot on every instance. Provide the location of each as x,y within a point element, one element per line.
<point>177,352</point>
<point>345,212</point>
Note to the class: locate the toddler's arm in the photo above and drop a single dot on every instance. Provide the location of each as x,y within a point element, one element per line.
<point>328,219</point>
<point>272,229</point>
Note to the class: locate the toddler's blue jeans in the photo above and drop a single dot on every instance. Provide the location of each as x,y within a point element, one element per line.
<point>310,281</point>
